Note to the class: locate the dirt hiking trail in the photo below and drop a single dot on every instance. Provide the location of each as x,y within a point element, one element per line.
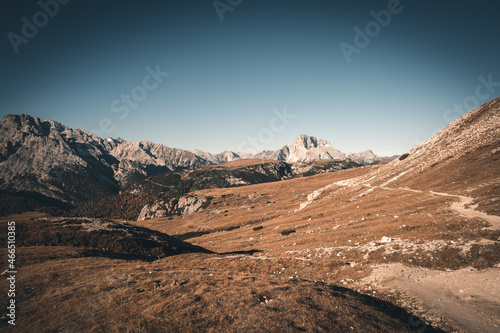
<point>469,298</point>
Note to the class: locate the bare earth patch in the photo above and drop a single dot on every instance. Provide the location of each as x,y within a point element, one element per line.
<point>468,298</point>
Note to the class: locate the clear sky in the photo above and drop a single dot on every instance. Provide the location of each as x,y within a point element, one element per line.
<point>88,65</point>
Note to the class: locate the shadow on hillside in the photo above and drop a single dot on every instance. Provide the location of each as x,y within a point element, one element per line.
<point>98,238</point>
<point>116,255</point>
<point>417,324</point>
<point>126,256</point>
<point>249,252</point>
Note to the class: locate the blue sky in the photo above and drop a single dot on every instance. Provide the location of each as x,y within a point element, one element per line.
<point>226,78</point>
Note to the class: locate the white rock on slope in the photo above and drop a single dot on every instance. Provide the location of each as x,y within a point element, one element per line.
<point>187,204</point>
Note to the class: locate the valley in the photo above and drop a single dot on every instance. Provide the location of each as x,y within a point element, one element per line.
<point>256,245</point>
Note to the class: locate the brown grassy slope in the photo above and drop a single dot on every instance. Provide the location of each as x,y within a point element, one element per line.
<point>62,290</point>
<point>105,237</point>
<point>460,159</point>
<point>475,174</point>
<point>362,203</point>
<point>344,222</point>
<point>351,210</point>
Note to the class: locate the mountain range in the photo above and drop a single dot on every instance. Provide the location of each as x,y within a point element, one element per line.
<point>49,159</point>
<point>409,245</point>
<point>305,148</point>
<point>58,162</point>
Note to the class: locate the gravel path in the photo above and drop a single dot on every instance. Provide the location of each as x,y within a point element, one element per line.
<point>469,298</point>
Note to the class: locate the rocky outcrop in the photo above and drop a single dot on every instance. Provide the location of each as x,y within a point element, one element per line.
<point>305,169</point>
<point>191,204</point>
<point>178,206</point>
<point>153,211</point>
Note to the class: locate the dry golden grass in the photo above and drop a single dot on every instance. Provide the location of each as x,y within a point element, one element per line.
<point>261,280</point>
<point>59,290</point>
<point>341,217</point>
<point>475,174</point>
<point>264,279</point>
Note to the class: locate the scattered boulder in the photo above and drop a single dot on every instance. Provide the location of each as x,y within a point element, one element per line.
<point>191,204</point>
<point>386,239</point>
<point>153,211</point>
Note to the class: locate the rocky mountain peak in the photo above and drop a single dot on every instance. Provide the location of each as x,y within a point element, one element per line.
<point>65,157</point>
<point>72,165</point>
<point>309,142</point>
<point>19,120</point>
<point>228,156</point>
<point>304,148</point>
<point>14,124</point>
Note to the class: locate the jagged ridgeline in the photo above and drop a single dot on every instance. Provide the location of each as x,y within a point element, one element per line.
<point>46,164</point>
<point>69,165</point>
